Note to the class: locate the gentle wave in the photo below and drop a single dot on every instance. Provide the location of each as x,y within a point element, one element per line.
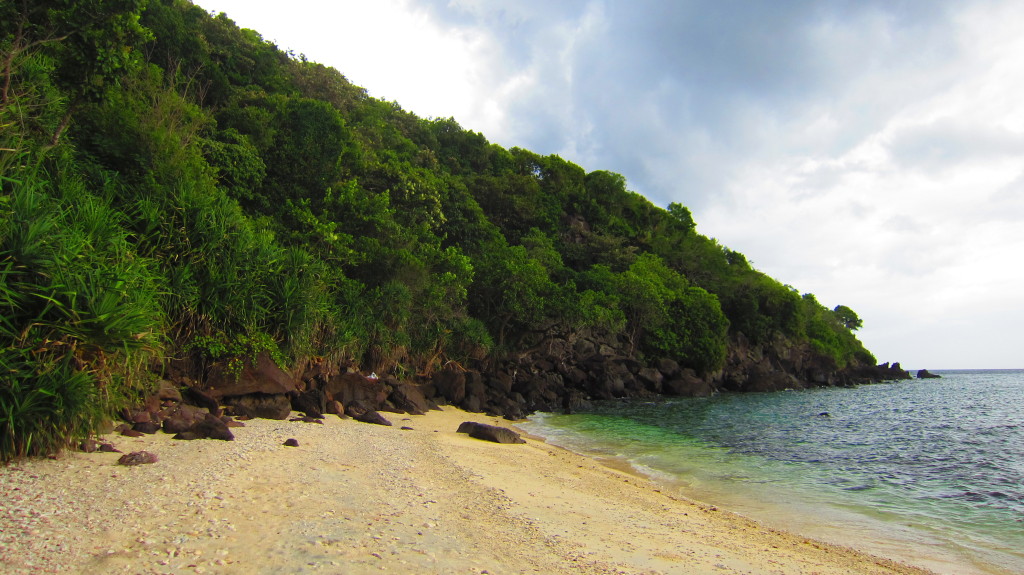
<point>930,471</point>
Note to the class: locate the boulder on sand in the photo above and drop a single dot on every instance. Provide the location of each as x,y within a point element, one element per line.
<point>490,432</point>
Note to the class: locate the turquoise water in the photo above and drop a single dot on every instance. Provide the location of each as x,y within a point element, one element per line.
<point>929,471</point>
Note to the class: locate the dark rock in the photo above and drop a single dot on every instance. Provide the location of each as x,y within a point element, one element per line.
<point>291,442</point>
<point>138,458</point>
<point>371,416</point>
<point>89,446</point>
<point>574,401</point>
<point>335,407</point>
<point>668,367</point>
<point>168,392</point>
<point>316,370</point>
<point>765,380</point>
<point>200,398</point>
<point>609,380</point>
<point>312,402</point>
<point>142,417</point>
<point>451,385</point>
<point>585,347</point>
<point>652,378</point>
<point>925,374</point>
<point>308,419</point>
<point>405,428</point>
<point>213,428</point>
<point>576,376</point>
<point>490,432</point>
<point>148,427</point>
<point>108,448</point>
<point>176,425</point>
<point>528,385</point>
<point>687,384</point>
<point>234,423</point>
<point>182,417</point>
<point>263,377</point>
<point>501,382</point>
<point>187,436</point>
<point>349,387</point>
<point>261,405</point>
<point>407,397</point>
<point>475,385</point>
<point>472,404</point>
<point>151,403</point>
<point>132,433</point>
<point>357,408</point>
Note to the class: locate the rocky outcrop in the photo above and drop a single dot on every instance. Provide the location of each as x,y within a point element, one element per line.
<point>350,387</point>
<point>565,375</point>
<point>312,402</point>
<point>260,377</point>
<point>405,397</point>
<point>555,374</point>
<point>925,374</point>
<point>262,405</point>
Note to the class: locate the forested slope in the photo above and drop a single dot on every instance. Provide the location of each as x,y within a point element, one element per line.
<point>177,187</point>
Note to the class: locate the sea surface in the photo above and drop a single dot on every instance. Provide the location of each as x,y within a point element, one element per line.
<point>930,471</point>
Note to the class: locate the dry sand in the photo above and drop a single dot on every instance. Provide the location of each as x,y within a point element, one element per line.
<point>360,498</point>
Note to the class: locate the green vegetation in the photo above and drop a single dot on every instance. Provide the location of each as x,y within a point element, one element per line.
<point>172,183</point>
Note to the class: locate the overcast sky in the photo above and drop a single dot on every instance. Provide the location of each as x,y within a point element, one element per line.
<point>869,152</point>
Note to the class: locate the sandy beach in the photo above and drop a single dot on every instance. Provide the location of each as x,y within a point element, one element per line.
<point>361,498</point>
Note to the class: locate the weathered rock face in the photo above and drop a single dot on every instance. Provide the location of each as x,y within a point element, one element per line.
<point>450,384</point>
<point>351,387</point>
<point>406,397</point>
<point>261,377</point>
<point>554,374</point>
<point>312,402</point>
<point>260,405</point>
<point>925,374</point>
<point>687,384</point>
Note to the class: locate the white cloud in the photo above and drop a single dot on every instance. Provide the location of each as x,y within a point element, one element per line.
<point>393,48</point>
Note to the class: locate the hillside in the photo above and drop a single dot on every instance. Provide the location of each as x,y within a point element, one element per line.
<point>180,197</point>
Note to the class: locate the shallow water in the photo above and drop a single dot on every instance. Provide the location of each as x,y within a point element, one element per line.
<point>929,471</point>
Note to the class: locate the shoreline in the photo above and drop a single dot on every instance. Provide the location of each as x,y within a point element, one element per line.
<point>821,521</point>
<point>361,498</point>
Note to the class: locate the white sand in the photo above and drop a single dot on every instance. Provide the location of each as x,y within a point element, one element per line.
<point>360,498</point>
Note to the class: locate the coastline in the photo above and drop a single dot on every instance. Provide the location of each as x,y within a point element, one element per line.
<point>786,511</point>
<point>361,498</point>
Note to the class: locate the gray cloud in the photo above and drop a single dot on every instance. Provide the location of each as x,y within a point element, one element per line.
<point>681,94</point>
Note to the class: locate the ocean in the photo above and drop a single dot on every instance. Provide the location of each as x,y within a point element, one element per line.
<point>930,471</point>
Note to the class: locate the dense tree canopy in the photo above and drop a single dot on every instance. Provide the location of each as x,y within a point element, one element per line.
<point>171,182</point>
